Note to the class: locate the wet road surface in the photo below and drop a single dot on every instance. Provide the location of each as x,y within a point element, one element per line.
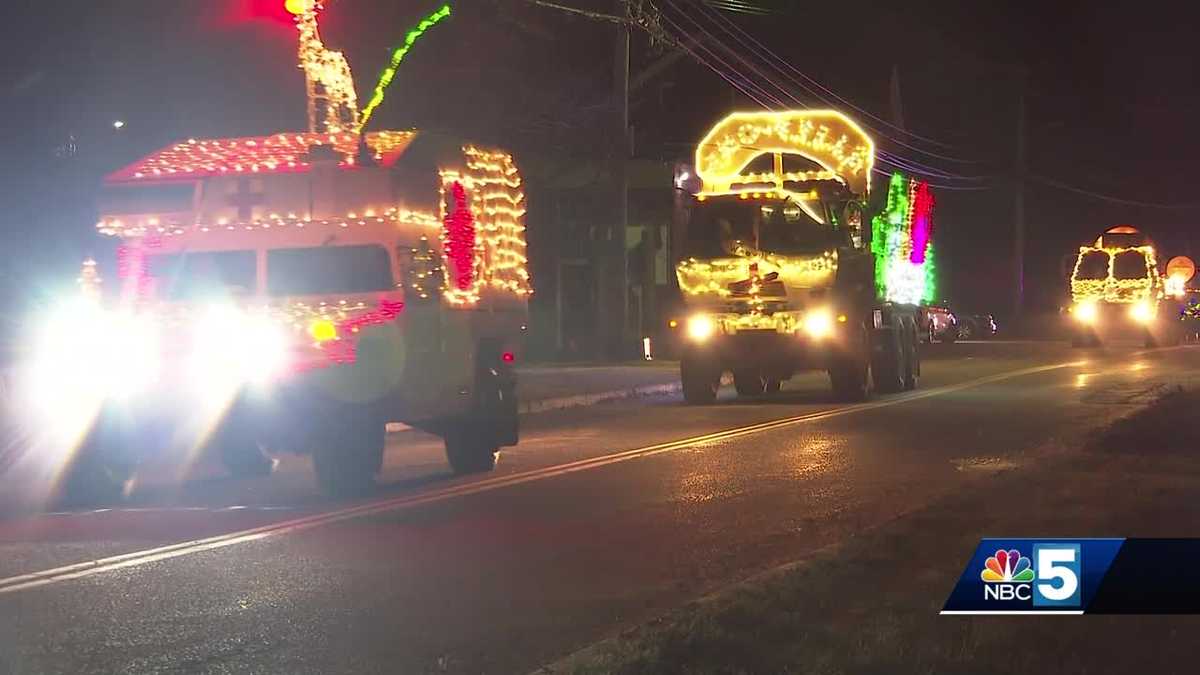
<point>603,517</point>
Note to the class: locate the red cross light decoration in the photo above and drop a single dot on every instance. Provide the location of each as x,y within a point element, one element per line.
<point>460,240</point>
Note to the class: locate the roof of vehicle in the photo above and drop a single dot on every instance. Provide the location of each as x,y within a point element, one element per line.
<point>256,155</point>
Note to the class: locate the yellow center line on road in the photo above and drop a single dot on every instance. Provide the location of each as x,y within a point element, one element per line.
<point>137,558</point>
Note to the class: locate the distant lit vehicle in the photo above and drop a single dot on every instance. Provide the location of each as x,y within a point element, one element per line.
<point>937,324</point>
<point>975,326</point>
<point>1117,291</point>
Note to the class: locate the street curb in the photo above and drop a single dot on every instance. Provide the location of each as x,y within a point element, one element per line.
<point>575,401</point>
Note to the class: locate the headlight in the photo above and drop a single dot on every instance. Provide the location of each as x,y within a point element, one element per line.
<point>1142,312</point>
<point>81,349</point>
<point>818,323</point>
<point>700,327</point>
<point>1085,312</point>
<point>231,347</point>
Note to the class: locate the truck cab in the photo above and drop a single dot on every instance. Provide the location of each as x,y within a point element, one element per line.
<point>1118,292</point>
<point>776,270</point>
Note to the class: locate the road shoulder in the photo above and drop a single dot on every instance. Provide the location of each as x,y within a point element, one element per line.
<point>870,604</point>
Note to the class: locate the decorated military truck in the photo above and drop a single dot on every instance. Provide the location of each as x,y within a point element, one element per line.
<point>296,291</point>
<point>780,269</point>
<point>1118,291</point>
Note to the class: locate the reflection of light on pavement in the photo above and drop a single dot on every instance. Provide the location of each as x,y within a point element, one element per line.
<point>1081,380</point>
<point>1139,366</point>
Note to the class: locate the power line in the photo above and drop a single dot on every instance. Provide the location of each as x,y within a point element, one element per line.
<point>780,60</point>
<point>1045,180</point>
<point>913,166</point>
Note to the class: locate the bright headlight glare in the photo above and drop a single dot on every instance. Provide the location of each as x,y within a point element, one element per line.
<point>231,347</point>
<point>1142,312</point>
<point>83,350</point>
<point>1085,312</point>
<point>818,323</point>
<point>700,327</point>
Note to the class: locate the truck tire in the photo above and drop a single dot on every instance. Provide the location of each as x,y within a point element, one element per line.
<point>749,383</point>
<point>850,373</point>
<point>887,369</point>
<point>700,380</point>
<point>912,360</point>
<point>94,480</point>
<point>349,455</point>
<point>473,444</point>
<point>238,447</point>
<point>470,449</point>
<point>101,468</point>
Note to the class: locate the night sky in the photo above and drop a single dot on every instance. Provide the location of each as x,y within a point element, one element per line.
<point>1113,90</point>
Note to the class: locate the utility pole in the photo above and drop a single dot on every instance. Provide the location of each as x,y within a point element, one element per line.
<point>1019,170</point>
<point>616,322</point>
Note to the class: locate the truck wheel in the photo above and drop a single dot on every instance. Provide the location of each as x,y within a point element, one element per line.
<point>749,383</point>
<point>240,452</point>
<point>850,379</point>
<point>886,370</point>
<point>101,468</point>
<point>349,455</point>
<point>94,480</point>
<point>912,368</point>
<point>470,449</point>
<point>473,443</point>
<point>700,380</point>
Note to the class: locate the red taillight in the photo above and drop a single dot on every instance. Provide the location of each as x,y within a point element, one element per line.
<point>508,357</point>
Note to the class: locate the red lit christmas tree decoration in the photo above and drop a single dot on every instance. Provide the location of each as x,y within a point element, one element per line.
<point>922,222</point>
<point>459,239</point>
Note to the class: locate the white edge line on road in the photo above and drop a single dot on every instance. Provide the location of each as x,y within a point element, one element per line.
<point>126,560</point>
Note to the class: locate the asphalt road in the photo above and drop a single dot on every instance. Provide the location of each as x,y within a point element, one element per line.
<point>603,517</point>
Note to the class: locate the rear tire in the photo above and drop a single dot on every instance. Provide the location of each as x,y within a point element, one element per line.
<point>470,449</point>
<point>349,455</point>
<point>749,383</point>
<point>473,444</point>
<point>700,380</point>
<point>912,370</point>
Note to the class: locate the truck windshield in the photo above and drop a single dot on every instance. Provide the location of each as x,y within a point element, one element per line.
<point>328,270</point>
<point>1129,265</point>
<point>725,227</point>
<point>1093,265</point>
<point>193,276</point>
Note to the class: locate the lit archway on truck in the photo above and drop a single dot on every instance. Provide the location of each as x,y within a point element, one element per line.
<point>827,138</point>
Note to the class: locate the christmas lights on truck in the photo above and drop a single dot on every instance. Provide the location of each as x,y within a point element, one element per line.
<point>781,270</point>
<point>1117,291</point>
<point>296,291</point>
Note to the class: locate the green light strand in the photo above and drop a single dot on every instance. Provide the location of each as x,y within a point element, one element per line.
<point>385,79</point>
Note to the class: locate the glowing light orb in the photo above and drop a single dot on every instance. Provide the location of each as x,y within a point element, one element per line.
<point>323,330</point>
<point>298,7</point>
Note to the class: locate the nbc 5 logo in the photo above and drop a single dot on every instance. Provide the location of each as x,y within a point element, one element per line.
<point>1051,579</point>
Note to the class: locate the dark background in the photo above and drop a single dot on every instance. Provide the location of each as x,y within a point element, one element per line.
<point>1112,97</point>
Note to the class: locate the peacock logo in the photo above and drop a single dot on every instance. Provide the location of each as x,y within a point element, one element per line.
<point>1007,567</point>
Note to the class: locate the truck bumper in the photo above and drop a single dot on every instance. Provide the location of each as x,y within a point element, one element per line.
<point>768,351</point>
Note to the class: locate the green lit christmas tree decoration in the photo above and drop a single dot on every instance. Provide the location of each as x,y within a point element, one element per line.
<point>900,241</point>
